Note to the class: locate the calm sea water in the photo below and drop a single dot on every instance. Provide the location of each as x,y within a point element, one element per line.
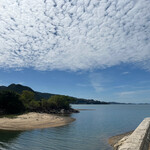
<point>90,131</point>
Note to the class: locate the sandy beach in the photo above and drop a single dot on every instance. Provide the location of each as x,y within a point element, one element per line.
<point>31,121</point>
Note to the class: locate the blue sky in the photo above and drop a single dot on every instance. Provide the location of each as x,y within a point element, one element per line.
<point>96,49</point>
<point>123,83</point>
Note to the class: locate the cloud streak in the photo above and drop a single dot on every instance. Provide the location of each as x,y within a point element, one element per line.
<point>74,35</point>
<point>133,93</point>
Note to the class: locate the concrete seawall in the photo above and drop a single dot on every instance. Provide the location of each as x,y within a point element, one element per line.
<point>138,140</point>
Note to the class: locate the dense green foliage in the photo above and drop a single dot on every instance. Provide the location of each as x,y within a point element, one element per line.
<point>59,102</point>
<point>26,98</point>
<point>17,98</point>
<point>11,102</point>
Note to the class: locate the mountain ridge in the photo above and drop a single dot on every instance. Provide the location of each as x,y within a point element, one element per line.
<point>18,88</point>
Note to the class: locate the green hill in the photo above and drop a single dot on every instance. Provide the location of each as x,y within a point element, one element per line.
<point>18,88</point>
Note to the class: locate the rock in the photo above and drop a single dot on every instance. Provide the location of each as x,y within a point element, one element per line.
<point>122,141</point>
<point>62,111</point>
<point>138,140</point>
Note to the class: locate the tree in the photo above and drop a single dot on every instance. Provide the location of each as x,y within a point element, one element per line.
<point>59,102</point>
<point>26,97</point>
<point>44,104</point>
<point>34,105</point>
<point>10,103</point>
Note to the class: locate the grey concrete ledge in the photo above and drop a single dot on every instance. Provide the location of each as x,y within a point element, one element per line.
<point>138,140</point>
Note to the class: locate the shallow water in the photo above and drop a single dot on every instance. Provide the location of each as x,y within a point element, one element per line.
<point>90,131</point>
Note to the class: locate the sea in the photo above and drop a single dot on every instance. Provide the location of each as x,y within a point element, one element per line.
<point>93,126</point>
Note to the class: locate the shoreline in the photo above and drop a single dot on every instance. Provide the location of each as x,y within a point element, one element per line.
<point>137,139</point>
<point>112,141</point>
<point>34,120</point>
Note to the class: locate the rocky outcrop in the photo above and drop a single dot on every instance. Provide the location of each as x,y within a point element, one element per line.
<point>55,111</point>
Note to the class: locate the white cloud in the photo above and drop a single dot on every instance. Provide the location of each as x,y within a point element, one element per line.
<point>125,73</point>
<point>99,82</point>
<point>74,35</point>
<point>133,93</point>
<point>83,85</point>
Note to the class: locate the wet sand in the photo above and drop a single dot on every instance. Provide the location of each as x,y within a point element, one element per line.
<point>31,121</point>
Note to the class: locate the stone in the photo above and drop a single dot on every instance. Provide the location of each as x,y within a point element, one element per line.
<point>138,140</point>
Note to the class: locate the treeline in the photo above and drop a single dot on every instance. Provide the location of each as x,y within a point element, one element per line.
<point>85,101</point>
<point>12,102</point>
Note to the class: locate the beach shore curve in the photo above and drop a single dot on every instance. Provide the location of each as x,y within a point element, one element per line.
<point>34,120</point>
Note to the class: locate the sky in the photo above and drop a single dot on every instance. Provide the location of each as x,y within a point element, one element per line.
<point>97,49</point>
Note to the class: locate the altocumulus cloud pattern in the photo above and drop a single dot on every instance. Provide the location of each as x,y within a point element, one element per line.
<point>74,34</point>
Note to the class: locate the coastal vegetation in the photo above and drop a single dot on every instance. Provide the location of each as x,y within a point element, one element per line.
<point>17,98</point>
<point>12,103</point>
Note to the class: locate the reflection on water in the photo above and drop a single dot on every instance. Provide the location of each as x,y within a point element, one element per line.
<point>7,137</point>
<point>90,131</point>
